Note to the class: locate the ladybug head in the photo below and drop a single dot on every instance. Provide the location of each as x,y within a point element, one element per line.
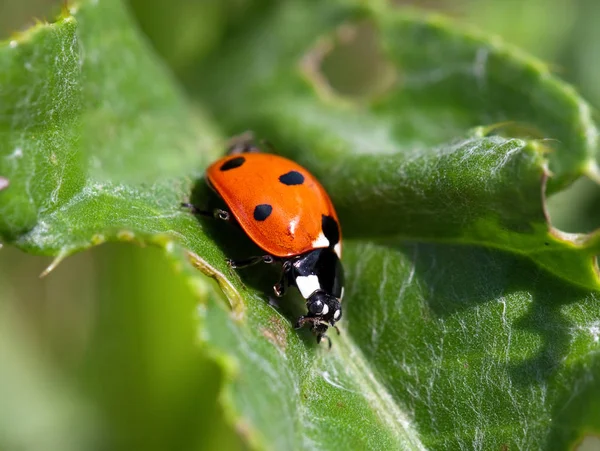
<point>324,310</point>
<point>324,306</point>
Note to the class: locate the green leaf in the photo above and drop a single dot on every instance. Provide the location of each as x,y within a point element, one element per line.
<point>482,331</point>
<point>503,355</point>
<point>72,130</point>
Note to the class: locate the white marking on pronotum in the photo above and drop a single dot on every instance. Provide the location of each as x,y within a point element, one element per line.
<point>321,241</point>
<point>336,315</point>
<point>325,310</point>
<point>338,249</point>
<point>307,285</point>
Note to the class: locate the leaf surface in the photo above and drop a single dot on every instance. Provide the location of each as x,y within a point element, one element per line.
<point>469,320</point>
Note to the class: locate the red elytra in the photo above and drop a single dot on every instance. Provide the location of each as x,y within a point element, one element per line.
<point>277,202</point>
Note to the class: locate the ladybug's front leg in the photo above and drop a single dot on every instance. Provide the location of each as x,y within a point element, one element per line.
<point>316,327</point>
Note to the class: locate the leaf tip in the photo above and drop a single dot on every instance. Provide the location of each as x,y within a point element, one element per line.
<point>22,37</point>
<point>65,10</point>
<point>40,22</point>
<point>64,253</point>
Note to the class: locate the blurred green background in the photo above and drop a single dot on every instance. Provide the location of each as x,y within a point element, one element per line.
<point>88,355</point>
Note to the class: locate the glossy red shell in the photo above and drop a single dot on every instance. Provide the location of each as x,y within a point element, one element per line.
<point>294,224</point>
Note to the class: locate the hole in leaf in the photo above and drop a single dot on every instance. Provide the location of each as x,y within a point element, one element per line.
<point>577,208</point>
<point>17,17</point>
<point>588,443</point>
<point>517,129</point>
<point>352,64</point>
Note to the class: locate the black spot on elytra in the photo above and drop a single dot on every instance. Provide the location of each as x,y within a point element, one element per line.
<point>292,178</point>
<point>233,163</point>
<point>331,230</point>
<point>262,212</point>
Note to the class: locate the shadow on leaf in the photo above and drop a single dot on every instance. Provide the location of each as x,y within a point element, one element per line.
<point>236,245</point>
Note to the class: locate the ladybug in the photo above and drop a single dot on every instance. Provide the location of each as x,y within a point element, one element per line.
<point>286,212</point>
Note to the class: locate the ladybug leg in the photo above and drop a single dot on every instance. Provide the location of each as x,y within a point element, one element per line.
<point>320,336</point>
<point>223,215</point>
<point>217,213</point>
<point>190,207</point>
<point>236,264</point>
<point>280,287</point>
<point>300,322</point>
<point>243,143</point>
<point>316,327</point>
